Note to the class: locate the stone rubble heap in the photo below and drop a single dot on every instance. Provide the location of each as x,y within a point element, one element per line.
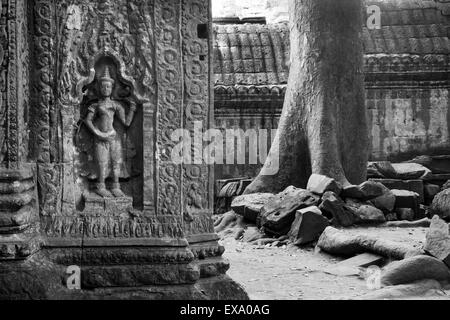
<point>405,195</point>
<point>399,193</point>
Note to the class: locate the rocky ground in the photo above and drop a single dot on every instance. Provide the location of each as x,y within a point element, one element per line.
<point>293,273</point>
<point>387,238</point>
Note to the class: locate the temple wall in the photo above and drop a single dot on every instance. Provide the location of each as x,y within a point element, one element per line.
<point>405,122</point>
<point>406,69</point>
<point>408,122</point>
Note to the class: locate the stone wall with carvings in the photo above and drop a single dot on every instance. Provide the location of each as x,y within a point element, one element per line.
<point>14,82</point>
<point>159,56</point>
<point>406,67</point>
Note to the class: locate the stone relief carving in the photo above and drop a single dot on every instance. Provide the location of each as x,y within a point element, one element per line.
<point>197,181</point>
<point>106,135</point>
<point>158,57</point>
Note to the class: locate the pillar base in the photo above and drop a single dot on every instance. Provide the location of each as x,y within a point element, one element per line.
<point>149,269</point>
<point>38,278</point>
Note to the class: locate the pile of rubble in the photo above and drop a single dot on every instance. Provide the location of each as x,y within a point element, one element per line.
<point>410,194</point>
<point>407,191</point>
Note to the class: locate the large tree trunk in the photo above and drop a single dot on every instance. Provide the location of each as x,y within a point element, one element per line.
<point>323,127</point>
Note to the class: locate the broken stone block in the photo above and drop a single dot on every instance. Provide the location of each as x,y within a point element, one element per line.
<point>353,192</point>
<point>416,186</point>
<point>250,206</point>
<point>405,214</point>
<point>441,205</point>
<point>372,189</point>
<point>411,171</point>
<point>319,184</point>
<point>438,240</point>
<point>415,269</point>
<point>430,191</point>
<point>278,215</point>
<point>334,206</point>
<point>407,199</point>
<point>308,226</point>
<point>364,212</point>
<point>385,202</point>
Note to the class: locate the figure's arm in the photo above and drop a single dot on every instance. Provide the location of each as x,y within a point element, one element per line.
<point>89,121</point>
<point>126,119</point>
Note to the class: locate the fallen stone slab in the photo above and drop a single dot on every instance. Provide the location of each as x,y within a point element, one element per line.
<point>441,204</point>
<point>249,206</point>
<point>352,266</point>
<point>365,212</point>
<point>437,241</point>
<point>414,269</point>
<point>320,184</point>
<point>308,226</point>
<point>335,207</point>
<point>278,215</point>
<point>411,171</point>
<point>417,289</point>
<point>337,242</point>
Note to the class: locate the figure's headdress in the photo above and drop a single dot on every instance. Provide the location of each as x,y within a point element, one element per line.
<point>106,76</point>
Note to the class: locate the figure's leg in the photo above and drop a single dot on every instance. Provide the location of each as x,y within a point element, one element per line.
<point>102,154</point>
<point>116,159</point>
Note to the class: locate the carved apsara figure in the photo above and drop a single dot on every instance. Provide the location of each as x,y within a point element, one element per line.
<point>107,144</point>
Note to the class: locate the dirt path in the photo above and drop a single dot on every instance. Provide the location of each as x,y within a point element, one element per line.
<point>292,273</point>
